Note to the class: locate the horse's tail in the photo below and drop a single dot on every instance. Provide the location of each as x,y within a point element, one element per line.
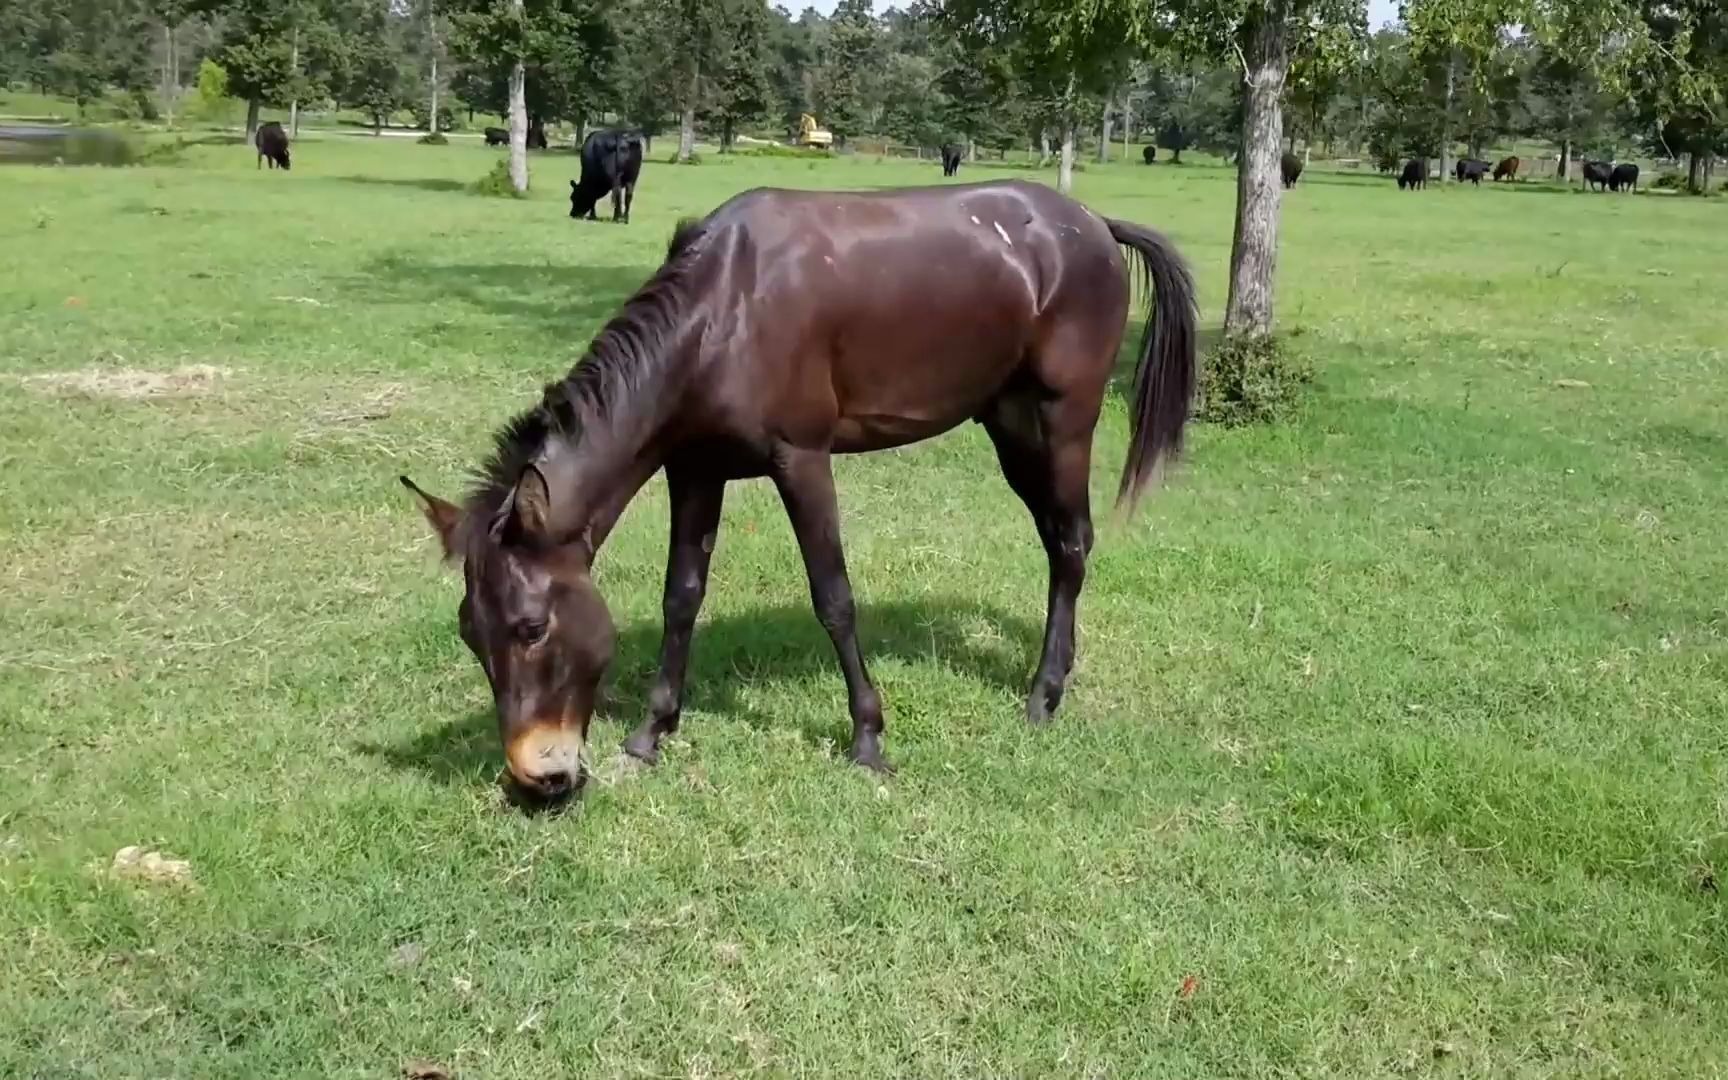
<point>1164,375</point>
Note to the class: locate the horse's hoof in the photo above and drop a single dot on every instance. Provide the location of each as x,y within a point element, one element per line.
<point>869,756</point>
<point>641,746</point>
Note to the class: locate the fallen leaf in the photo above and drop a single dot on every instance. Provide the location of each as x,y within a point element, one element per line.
<point>421,1069</point>
<point>134,863</point>
<point>1189,984</point>
<point>74,301</point>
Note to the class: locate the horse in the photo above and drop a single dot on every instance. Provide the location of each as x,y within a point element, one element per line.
<point>784,328</point>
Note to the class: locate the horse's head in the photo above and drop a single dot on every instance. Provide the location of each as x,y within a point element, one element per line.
<point>540,629</point>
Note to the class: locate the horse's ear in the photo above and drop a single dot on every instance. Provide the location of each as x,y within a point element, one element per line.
<point>572,185</point>
<point>444,517</point>
<point>531,506</point>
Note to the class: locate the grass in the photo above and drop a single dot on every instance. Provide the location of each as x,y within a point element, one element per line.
<point>1395,746</point>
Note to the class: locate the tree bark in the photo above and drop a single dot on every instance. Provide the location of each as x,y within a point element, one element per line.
<point>252,108</point>
<point>294,102</point>
<point>168,80</point>
<point>432,19</point>
<point>1043,147</point>
<point>518,120</point>
<point>1104,134</point>
<point>1065,163</point>
<point>1446,117</point>
<point>687,118</point>
<point>1695,172</point>
<point>1127,122</point>
<point>1565,166</point>
<point>1254,251</point>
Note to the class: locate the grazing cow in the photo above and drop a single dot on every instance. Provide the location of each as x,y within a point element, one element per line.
<point>1415,174</point>
<point>497,136</point>
<point>272,143</point>
<point>1472,170</point>
<point>1597,174</point>
<point>1506,169</point>
<point>1290,169</point>
<point>1149,155</point>
<point>536,133</point>
<point>950,159</point>
<point>611,162</point>
<point>1623,178</point>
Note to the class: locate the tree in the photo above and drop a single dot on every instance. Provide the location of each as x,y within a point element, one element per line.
<point>1062,53</point>
<point>846,61</point>
<point>739,90</point>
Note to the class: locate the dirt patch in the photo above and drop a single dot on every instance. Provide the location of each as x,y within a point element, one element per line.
<point>129,384</point>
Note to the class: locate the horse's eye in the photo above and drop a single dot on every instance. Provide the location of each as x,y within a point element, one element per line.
<point>531,633</point>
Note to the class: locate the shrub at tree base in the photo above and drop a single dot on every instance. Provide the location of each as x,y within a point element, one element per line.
<point>1252,380</point>
<point>437,138</point>
<point>497,182</point>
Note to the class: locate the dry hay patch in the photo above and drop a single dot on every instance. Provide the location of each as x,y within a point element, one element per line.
<point>128,383</point>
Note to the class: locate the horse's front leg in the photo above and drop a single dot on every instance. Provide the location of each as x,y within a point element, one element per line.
<point>696,502</point>
<point>806,482</point>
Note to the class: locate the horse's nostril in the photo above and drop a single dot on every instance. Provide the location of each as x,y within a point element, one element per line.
<point>556,782</point>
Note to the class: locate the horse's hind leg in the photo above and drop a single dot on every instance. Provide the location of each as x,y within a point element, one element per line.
<point>696,502</point>
<point>806,482</point>
<point>1045,447</point>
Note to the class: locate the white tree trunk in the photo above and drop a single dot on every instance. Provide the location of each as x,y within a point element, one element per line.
<point>1254,252</point>
<point>518,124</point>
<point>1127,121</point>
<point>167,79</point>
<point>432,123</point>
<point>1446,117</point>
<point>1043,147</point>
<point>294,103</point>
<point>687,118</point>
<point>252,108</point>
<point>1104,134</point>
<point>1065,163</point>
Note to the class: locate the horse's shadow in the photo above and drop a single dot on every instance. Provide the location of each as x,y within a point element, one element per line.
<point>734,653</point>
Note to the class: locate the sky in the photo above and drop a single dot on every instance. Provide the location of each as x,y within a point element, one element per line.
<point>1379,11</point>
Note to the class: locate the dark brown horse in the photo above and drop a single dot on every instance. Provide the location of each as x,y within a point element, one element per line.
<point>785,328</point>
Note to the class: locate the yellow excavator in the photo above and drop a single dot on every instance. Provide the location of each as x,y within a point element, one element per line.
<point>811,135</point>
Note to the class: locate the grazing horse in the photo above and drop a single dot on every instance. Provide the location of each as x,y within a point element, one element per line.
<point>1289,170</point>
<point>1414,176</point>
<point>1150,154</point>
<point>272,144</point>
<point>1506,169</point>
<point>497,136</point>
<point>951,155</point>
<point>784,328</point>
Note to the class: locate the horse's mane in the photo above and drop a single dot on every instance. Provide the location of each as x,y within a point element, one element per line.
<point>610,389</point>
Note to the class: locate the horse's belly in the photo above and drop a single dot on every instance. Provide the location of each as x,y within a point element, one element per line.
<point>860,434</point>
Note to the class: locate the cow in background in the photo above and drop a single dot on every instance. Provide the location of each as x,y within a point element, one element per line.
<point>611,162</point>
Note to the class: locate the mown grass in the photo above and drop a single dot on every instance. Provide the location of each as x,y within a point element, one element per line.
<point>1395,746</point>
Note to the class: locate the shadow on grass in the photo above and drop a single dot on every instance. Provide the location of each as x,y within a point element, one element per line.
<point>422,183</point>
<point>729,655</point>
<point>572,299</point>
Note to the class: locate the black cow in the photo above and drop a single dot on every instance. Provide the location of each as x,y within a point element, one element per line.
<point>1597,174</point>
<point>1472,170</point>
<point>497,136</point>
<point>1149,155</point>
<point>1623,178</point>
<point>536,133</point>
<point>272,143</point>
<point>1415,174</point>
<point>950,159</point>
<point>611,162</point>
<point>1290,169</point>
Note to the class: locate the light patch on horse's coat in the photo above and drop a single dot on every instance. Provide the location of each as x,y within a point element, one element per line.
<point>1003,233</point>
<point>975,220</point>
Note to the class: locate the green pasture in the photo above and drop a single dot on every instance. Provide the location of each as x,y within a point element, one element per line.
<point>1396,745</point>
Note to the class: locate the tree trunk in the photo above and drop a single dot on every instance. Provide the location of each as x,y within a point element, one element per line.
<point>1565,166</point>
<point>1043,147</point>
<point>252,108</point>
<point>294,102</point>
<point>726,135</point>
<point>687,118</point>
<point>1065,163</point>
<point>168,80</point>
<point>971,149</point>
<point>1104,134</point>
<point>518,120</point>
<point>1695,173</point>
<point>1709,169</point>
<point>1254,252</point>
<point>1127,122</point>
<point>1446,117</point>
